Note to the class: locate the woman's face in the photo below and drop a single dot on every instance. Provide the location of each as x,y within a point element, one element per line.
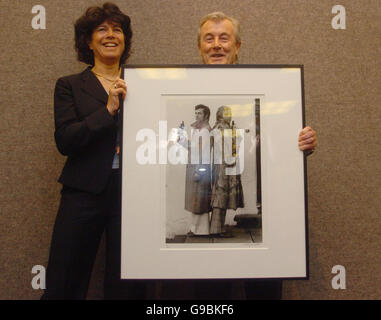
<point>107,42</point>
<point>227,114</point>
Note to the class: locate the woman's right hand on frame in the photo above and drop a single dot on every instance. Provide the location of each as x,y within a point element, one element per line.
<point>117,88</point>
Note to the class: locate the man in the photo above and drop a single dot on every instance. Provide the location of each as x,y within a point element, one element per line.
<point>197,183</point>
<point>219,42</point>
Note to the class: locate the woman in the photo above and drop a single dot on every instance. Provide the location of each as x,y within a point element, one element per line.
<point>227,190</point>
<point>86,109</point>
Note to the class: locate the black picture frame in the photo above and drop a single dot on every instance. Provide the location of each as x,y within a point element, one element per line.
<point>162,261</point>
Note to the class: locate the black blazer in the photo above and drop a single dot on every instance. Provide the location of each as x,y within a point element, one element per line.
<point>85,132</point>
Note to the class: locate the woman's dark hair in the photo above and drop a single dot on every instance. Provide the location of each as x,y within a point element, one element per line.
<point>93,17</point>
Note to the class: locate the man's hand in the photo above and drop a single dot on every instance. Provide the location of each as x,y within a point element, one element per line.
<point>307,139</point>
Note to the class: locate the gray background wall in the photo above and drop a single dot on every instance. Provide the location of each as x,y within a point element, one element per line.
<point>342,86</point>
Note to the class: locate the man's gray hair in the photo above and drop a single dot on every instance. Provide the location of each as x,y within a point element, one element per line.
<point>220,16</point>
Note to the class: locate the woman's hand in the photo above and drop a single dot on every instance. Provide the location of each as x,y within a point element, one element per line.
<point>119,87</point>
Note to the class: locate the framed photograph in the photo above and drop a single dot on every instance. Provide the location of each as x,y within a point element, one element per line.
<point>213,181</point>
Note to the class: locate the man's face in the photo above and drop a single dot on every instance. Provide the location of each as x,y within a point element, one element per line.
<point>217,42</point>
<point>199,115</point>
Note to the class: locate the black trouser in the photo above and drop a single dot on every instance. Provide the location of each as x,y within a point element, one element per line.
<point>221,289</point>
<point>81,220</point>
<point>254,289</point>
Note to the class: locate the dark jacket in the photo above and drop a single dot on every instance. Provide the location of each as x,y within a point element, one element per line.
<point>85,132</point>
<point>198,182</point>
